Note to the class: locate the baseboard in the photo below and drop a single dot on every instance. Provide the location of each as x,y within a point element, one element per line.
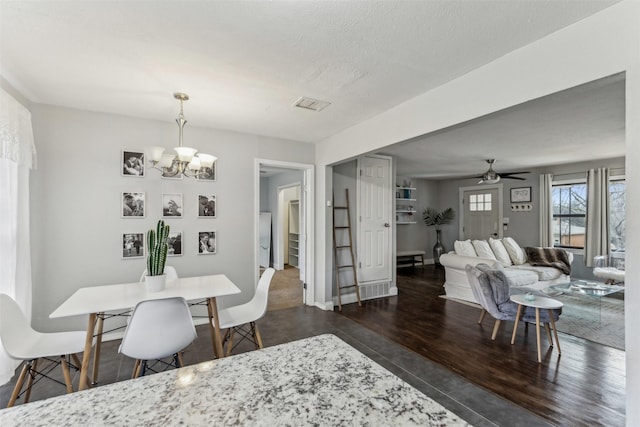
<point>326,306</point>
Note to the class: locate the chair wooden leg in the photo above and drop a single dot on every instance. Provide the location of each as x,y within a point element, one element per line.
<point>230,342</point>
<point>482,313</point>
<point>256,335</point>
<point>96,351</point>
<point>496,326</point>
<point>136,369</point>
<point>78,363</point>
<point>16,390</point>
<point>66,374</point>
<point>32,374</point>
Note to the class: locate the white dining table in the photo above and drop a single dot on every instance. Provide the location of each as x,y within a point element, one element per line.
<point>98,300</point>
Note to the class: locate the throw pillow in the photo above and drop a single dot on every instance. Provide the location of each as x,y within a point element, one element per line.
<point>464,248</point>
<point>483,249</point>
<point>500,251</point>
<point>516,253</point>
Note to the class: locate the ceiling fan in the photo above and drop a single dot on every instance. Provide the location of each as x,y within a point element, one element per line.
<point>492,177</point>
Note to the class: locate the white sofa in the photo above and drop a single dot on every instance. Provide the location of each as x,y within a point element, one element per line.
<point>522,276</point>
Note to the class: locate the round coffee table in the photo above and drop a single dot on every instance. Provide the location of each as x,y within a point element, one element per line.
<point>538,303</point>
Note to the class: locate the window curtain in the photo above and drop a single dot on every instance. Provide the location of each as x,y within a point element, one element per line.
<point>546,210</point>
<point>17,157</point>
<point>597,229</point>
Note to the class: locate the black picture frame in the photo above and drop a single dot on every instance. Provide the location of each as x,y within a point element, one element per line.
<point>521,195</point>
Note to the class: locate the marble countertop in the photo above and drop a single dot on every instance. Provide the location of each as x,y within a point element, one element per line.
<point>315,381</point>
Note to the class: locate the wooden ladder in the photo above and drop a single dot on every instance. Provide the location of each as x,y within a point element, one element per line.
<point>337,250</point>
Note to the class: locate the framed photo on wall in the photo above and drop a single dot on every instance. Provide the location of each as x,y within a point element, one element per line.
<point>520,194</point>
<point>206,242</point>
<point>207,174</point>
<point>132,163</point>
<point>206,206</point>
<point>175,243</point>
<point>171,173</point>
<point>172,205</point>
<point>133,205</point>
<point>132,245</point>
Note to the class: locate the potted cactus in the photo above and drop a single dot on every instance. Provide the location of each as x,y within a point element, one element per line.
<point>157,247</point>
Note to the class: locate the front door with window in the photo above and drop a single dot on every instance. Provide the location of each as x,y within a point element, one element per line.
<point>481,213</point>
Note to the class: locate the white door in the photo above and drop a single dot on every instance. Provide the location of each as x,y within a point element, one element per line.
<point>481,213</point>
<point>374,219</point>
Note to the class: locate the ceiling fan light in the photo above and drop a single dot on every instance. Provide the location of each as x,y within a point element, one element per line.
<point>491,180</point>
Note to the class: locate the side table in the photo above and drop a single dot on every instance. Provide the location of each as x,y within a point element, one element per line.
<point>537,303</point>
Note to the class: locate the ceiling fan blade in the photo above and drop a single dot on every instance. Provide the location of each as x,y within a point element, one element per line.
<point>512,173</point>
<point>513,177</point>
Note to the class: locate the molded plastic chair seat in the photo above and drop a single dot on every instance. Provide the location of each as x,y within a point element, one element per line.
<point>158,329</point>
<point>22,342</point>
<point>235,318</point>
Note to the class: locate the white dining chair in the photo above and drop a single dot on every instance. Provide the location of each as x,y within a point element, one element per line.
<point>21,342</point>
<point>241,319</point>
<point>158,329</point>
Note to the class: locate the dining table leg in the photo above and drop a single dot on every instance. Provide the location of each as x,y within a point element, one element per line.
<point>96,354</point>
<point>214,328</point>
<point>86,355</point>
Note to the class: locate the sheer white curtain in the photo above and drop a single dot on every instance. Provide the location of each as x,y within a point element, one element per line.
<point>546,210</point>
<point>17,157</point>
<point>597,229</point>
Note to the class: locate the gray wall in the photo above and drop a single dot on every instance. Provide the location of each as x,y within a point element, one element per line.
<point>76,210</point>
<point>418,236</point>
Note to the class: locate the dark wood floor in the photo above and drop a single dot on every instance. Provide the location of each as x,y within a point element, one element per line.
<point>584,386</point>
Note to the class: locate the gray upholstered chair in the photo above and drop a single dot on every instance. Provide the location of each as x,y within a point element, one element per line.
<point>490,287</point>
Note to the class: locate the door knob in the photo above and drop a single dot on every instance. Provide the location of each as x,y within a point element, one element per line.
<point>386,224</point>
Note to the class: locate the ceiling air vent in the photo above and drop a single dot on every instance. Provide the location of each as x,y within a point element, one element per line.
<point>311,104</point>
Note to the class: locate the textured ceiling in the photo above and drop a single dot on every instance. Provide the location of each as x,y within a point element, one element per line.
<point>245,63</point>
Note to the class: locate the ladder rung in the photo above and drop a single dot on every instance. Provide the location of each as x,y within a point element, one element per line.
<point>345,266</point>
<point>348,286</point>
<point>346,226</point>
<point>342,247</point>
<point>340,207</point>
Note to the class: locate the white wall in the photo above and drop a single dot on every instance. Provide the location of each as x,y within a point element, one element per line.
<point>76,209</point>
<point>598,46</point>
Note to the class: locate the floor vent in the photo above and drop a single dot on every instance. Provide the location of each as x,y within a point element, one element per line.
<point>311,104</point>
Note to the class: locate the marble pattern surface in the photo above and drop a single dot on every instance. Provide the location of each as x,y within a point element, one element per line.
<point>315,381</point>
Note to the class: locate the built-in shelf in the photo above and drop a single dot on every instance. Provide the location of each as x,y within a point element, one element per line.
<point>405,208</point>
<point>294,236</point>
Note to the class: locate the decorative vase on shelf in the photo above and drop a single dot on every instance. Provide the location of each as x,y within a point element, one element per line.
<point>155,283</point>
<point>438,249</point>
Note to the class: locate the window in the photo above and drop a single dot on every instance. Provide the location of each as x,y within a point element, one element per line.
<point>480,202</point>
<point>617,197</point>
<point>569,214</point>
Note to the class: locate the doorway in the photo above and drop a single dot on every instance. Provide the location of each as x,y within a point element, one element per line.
<point>285,190</point>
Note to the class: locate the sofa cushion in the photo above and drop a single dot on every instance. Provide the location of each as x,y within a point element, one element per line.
<point>516,253</point>
<point>483,250</point>
<point>520,277</point>
<point>542,273</point>
<point>464,248</point>
<point>500,251</point>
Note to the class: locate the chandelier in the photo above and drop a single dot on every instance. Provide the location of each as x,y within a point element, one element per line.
<point>186,162</point>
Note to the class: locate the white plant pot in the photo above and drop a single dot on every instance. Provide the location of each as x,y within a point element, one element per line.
<point>155,283</point>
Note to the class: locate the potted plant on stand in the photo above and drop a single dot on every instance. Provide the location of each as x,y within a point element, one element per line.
<point>158,247</point>
<point>437,219</point>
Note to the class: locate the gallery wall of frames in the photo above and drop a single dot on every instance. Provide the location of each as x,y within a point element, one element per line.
<point>135,202</point>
